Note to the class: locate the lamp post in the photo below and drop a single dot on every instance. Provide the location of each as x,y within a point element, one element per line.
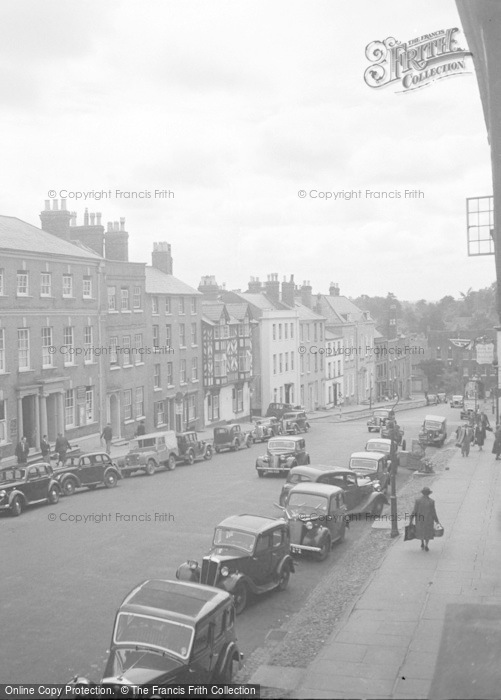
<point>393,498</point>
<point>495,365</point>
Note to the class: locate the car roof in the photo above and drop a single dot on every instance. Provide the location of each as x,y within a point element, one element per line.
<point>179,600</point>
<point>250,523</point>
<point>386,441</point>
<point>439,418</point>
<point>286,437</point>
<point>316,469</point>
<point>159,433</point>
<point>371,455</point>
<point>315,488</point>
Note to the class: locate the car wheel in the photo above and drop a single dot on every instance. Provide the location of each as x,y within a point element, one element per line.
<point>16,507</point>
<point>208,453</point>
<point>325,549</point>
<point>343,532</point>
<point>69,487</point>
<point>404,445</point>
<point>151,467</point>
<point>190,457</point>
<point>260,473</point>
<point>171,463</point>
<point>110,480</point>
<point>53,495</point>
<point>296,429</point>
<point>240,598</point>
<point>283,580</point>
<point>377,508</point>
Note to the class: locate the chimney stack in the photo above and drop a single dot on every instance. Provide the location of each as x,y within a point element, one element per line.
<point>90,234</point>
<point>209,288</point>
<point>255,286</point>
<point>288,289</point>
<point>306,291</point>
<point>334,289</point>
<point>116,241</point>
<point>272,287</point>
<point>55,220</point>
<point>161,257</point>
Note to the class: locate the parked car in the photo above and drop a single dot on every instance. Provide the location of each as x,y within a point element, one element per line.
<point>434,431</point>
<point>23,486</point>
<point>87,471</point>
<point>432,400</point>
<point>249,554</point>
<point>387,431</point>
<point>170,632</point>
<point>266,428</point>
<point>316,514</point>
<point>277,410</point>
<point>379,418</point>
<point>457,401</point>
<point>191,448</point>
<point>147,453</point>
<point>372,465</point>
<point>231,437</point>
<point>283,454</point>
<point>442,397</point>
<point>295,422</point>
<point>361,494</point>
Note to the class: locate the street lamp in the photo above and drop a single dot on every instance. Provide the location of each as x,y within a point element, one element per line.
<point>495,365</point>
<point>393,497</point>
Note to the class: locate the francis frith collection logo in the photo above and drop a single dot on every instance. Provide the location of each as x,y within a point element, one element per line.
<point>416,63</point>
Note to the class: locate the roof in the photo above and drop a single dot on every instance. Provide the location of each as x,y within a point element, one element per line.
<point>238,311</point>
<point>173,599</point>
<point>315,469</point>
<point>386,441</point>
<point>213,310</point>
<point>158,282</point>
<point>250,523</point>
<point>367,454</point>
<point>260,302</point>
<point>286,437</point>
<point>306,314</point>
<point>315,488</point>
<point>19,236</point>
<point>342,306</point>
<point>439,418</point>
<point>159,433</point>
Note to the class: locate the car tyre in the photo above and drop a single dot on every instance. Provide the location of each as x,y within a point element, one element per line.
<point>284,577</point>
<point>208,453</point>
<point>151,467</point>
<point>308,460</point>
<point>296,429</point>
<point>404,445</point>
<point>110,480</point>
<point>343,532</point>
<point>69,487</point>
<point>325,549</point>
<point>171,463</point>
<point>377,508</point>
<point>240,597</point>
<point>16,507</point>
<point>190,457</point>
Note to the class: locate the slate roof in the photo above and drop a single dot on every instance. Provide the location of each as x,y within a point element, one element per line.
<point>306,314</point>
<point>342,306</point>
<point>19,236</point>
<point>158,282</point>
<point>261,301</point>
<point>238,311</point>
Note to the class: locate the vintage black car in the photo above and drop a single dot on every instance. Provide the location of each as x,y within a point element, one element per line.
<point>379,418</point>
<point>191,448</point>
<point>283,454</point>
<point>316,514</point>
<point>170,632</point>
<point>432,400</point>
<point>87,471</point>
<point>249,554</point>
<point>457,401</point>
<point>277,410</point>
<point>373,466</point>
<point>23,486</point>
<point>148,453</point>
<point>434,431</point>
<point>266,428</point>
<point>231,437</point>
<point>294,422</point>
<point>361,495</point>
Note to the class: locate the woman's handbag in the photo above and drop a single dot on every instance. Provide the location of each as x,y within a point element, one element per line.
<point>438,530</point>
<point>410,532</point>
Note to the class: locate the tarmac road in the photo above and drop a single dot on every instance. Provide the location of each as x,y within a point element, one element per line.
<point>63,580</point>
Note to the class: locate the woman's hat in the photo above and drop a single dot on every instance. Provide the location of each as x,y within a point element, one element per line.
<point>426,491</point>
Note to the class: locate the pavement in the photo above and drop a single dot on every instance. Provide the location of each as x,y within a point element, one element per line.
<point>427,624</point>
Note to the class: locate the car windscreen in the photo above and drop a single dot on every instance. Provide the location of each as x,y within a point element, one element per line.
<point>143,630</point>
<point>362,463</point>
<point>7,475</point>
<point>298,478</point>
<point>381,414</point>
<point>228,537</point>
<point>433,424</point>
<point>307,504</point>
<point>378,447</point>
<point>281,445</point>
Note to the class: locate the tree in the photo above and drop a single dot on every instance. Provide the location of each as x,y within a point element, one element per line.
<point>433,370</point>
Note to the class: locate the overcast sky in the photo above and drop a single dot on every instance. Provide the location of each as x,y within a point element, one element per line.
<point>235,106</point>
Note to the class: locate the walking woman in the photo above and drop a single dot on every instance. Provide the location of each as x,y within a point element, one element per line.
<point>480,435</point>
<point>425,515</point>
<point>496,448</point>
<point>464,439</point>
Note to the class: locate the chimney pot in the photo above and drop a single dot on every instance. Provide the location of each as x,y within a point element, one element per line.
<point>63,205</point>
<point>92,219</point>
<point>116,226</point>
<point>47,205</point>
<point>98,218</point>
<point>122,223</point>
<point>86,217</point>
<point>55,205</point>
<point>109,226</point>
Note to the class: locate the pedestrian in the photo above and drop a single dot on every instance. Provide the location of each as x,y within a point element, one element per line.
<point>464,439</point>
<point>425,516</point>
<point>62,446</point>
<point>22,450</point>
<point>45,448</point>
<point>480,435</point>
<point>141,429</point>
<point>106,435</point>
<point>485,421</point>
<point>496,448</point>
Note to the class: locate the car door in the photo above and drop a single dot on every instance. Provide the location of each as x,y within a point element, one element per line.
<point>87,471</point>
<point>202,653</point>
<point>279,547</point>
<point>260,565</point>
<point>34,485</point>
<point>352,493</point>
<point>336,516</point>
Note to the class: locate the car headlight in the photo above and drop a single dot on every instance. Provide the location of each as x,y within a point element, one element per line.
<point>309,525</point>
<point>193,565</point>
<point>3,494</point>
<point>225,571</point>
